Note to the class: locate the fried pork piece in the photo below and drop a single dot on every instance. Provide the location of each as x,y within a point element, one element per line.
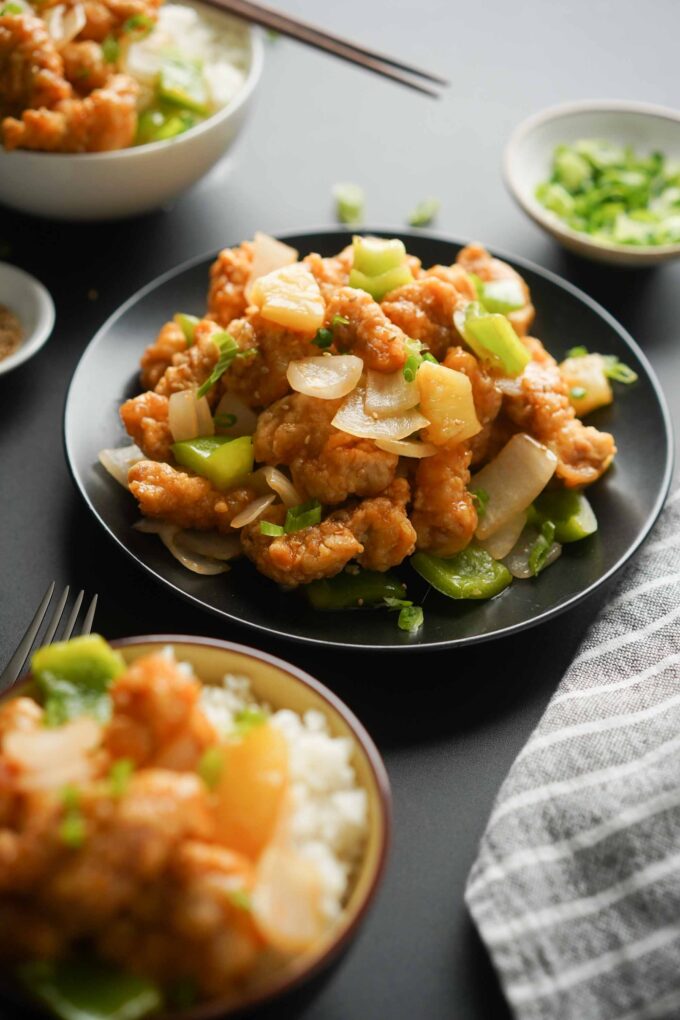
<point>444,514</point>
<point>107,17</point>
<point>103,121</point>
<point>192,366</point>
<point>476,259</point>
<point>260,378</point>
<point>424,310</point>
<point>158,356</point>
<point>31,69</point>
<point>330,273</point>
<point>539,405</point>
<point>84,66</point>
<point>145,418</point>
<point>382,527</point>
<point>188,501</point>
<point>157,720</point>
<point>485,393</point>
<point>370,333</point>
<point>228,276</point>
<point>301,556</point>
<point>325,464</point>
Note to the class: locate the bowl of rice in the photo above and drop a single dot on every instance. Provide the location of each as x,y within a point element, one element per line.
<point>202,828</point>
<point>193,71</point>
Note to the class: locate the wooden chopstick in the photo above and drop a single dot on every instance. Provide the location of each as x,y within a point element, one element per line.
<point>311,35</point>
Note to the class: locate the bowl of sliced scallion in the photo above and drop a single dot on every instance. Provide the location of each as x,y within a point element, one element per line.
<point>602,177</point>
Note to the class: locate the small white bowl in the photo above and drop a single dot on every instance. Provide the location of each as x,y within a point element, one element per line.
<point>528,157</point>
<point>33,306</point>
<point>126,182</point>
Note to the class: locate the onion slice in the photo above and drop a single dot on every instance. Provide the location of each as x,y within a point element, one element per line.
<point>64,24</point>
<point>406,447</point>
<point>189,416</point>
<point>388,394</point>
<point>53,757</point>
<point>193,561</point>
<point>268,254</point>
<point>327,377</point>
<point>353,419</point>
<point>282,486</point>
<point>517,561</point>
<point>119,461</point>
<point>253,511</point>
<point>244,418</point>
<point>512,480</point>
<point>502,541</point>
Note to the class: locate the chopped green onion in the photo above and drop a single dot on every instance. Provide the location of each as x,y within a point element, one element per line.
<point>541,548</point>
<point>424,212</point>
<point>411,366</point>
<point>187,323</point>
<point>228,351</point>
<point>323,338</point>
<point>247,719</point>
<point>119,776</point>
<point>577,352</point>
<point>616,370</point>
<point>271,530</point>
<point>110,50</point>
<point>85,989</point>
<point>411,618</point>
<point>140,24</point>
<point>349,203</point>
<point>211,766</point>
<point>417,354</point>
<point>339,320</point>
<point>303,516</point>
<point>578,392</point>
<point>240,898</point>
<point>480,497</point>
<point>502,296</point>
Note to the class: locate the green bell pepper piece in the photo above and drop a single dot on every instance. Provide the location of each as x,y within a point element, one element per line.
<point>73,678</point>
<point>222,460</point>
<point>493,339</point>
<point>86,990</point>
<point>353,591</point>
<point>500,296</point>
<point>375,255</point>
<point>470,574</point>
<point>570,512</point>
<point>181,83</point>
<point>383,283</point>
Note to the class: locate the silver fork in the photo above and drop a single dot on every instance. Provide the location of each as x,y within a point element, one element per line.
<point>12,670</point>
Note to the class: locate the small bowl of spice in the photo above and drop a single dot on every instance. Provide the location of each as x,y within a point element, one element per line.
<point>603,177</point>
<point>26,316</point>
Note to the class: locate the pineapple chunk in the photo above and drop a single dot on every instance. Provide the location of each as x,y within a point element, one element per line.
<point>290,297</point>
<point>587,383</point>
<point>446,401</point>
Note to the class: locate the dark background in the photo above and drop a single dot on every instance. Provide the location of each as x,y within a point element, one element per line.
<point>448,724</point>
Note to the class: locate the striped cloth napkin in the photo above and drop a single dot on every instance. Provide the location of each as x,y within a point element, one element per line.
<point>576,888</point>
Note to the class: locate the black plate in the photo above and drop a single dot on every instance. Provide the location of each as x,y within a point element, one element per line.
<point>627,501</point>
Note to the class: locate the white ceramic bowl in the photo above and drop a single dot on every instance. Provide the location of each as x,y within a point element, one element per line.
<point>32,304</point>
<point>111,185</point>
<point>528,156</point>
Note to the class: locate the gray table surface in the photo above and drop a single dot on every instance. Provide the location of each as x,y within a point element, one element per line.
<point>450,731</point>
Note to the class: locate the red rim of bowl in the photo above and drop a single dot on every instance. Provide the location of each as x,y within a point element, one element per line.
<point>217,1008</point>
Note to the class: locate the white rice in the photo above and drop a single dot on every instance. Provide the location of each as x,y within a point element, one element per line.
<point>220,44</point>
<point>329,811</point>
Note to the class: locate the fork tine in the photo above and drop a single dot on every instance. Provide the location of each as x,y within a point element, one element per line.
<point>13,668</point>
<point>89,619</point>
<point>56,618</point>
<point>71,622</point>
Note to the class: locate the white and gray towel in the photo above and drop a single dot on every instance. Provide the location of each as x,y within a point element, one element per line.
<point>576,888</point>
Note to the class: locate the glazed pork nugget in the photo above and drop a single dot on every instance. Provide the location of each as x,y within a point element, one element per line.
<point>260,378</point>
<point>31,69</point>
<point>444,514</point>
<point>382,527</point>
<point>229,274</point>
<point>192,366</point>
<point>157,358</point>
<point>145,418</point>
<point>424,309</point>
<point>185,500</point>
<point>368,333</point>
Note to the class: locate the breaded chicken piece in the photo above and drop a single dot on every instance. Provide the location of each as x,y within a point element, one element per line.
<point>370,333</point>
<point>260,379</point>
<point>444,514</point>
<point>158,356</point>
<point>103,121</point>
<point>325,464</point>
<point>382,527</point>
<point>84,66</point>
<point>108,17</point>
<point>485,393</point>
<point>330,273</point>
<point>192,366</point>
<point>145,418</point>
<point>539,404</point>
<point>31,69</point>
<point>188,501</point>
<point>424,311</point>
<point>475,259</point>
<point>301,556</point>
<point>228,277</point>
